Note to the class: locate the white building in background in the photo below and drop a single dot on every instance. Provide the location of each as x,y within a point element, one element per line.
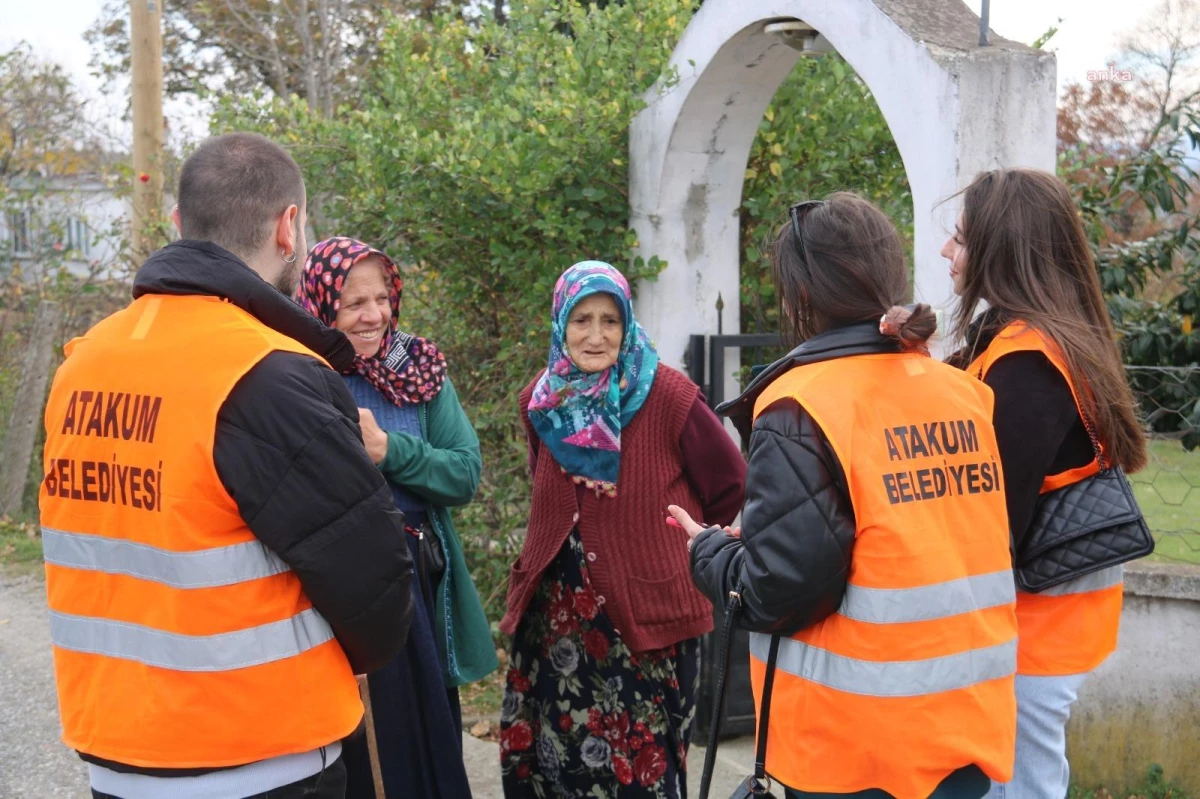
<point>78,221</point>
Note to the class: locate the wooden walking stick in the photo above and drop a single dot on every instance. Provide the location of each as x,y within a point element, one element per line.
<point>372,745</point>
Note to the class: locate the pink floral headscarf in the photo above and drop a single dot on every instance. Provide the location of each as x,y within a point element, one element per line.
<point>407,369</point>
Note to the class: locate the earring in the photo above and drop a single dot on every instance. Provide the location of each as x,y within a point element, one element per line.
<point>290,260</point>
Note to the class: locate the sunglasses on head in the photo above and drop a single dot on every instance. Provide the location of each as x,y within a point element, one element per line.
<point>798,212</point>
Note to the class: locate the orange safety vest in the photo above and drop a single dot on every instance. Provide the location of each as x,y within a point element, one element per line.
<point>180,640</point>
<point>1072,627</point>
<point>912,677</point>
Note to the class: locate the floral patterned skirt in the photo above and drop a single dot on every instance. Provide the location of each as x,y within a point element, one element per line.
<point>582,715</point>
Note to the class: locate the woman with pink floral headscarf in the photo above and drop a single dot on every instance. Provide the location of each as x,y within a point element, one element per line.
<point>416,432</point>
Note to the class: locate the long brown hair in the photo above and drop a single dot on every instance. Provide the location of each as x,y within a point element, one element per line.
<point>847,267</point>
<point>1028,257</point>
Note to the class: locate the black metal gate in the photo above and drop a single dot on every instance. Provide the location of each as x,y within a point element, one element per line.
<point>715,346</point>
<point>737,717</point>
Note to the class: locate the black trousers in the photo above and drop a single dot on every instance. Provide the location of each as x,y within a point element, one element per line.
<point>968,782</point>
<point>329,784</point>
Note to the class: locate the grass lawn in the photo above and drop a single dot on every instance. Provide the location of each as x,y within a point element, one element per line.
<point>1168,490</point>
<point>20,547</point>
<point>1156,785</point>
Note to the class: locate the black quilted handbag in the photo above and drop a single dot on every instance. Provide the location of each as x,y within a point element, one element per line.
<point>1082,528</point>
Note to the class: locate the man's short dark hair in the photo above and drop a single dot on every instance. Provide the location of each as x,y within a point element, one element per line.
<point>233,188</point>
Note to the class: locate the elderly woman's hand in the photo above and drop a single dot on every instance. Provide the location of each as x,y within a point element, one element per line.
<point>374,437</point>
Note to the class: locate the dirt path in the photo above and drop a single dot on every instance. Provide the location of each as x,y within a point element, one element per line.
<point>33,763</point>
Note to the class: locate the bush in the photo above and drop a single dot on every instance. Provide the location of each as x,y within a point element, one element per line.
<point>822,133</point>
<point>488,158</point>
<point>1140,217</point>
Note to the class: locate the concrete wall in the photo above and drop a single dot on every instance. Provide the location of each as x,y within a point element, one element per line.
<point>1142,705</point>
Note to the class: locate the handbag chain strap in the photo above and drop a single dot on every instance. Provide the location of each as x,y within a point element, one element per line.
<point>1096,448</point>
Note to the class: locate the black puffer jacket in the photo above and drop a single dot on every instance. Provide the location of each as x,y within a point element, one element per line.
<point>289,451</point>
<point>793,558</point>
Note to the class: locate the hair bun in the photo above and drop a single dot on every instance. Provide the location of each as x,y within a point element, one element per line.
<point>911,325</point>
<point>892,322</point>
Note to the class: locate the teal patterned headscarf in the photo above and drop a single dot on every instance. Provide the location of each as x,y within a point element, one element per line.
<point>579,416</point>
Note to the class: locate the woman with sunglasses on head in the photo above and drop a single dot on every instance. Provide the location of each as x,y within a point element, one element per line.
<point>872,564</point>
<point>1046,348</point>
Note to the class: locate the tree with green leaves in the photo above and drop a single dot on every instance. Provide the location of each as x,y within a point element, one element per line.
<point>823,132</point>
<point>488,157</point>
<point>1127,148</point>
<point>45,140</point>
<point>41,115</point>
<point>1163,51</point>
<point>316,49</point>
<point>52,162</point>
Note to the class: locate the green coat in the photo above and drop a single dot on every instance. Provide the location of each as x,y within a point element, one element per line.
<point>443,468</point>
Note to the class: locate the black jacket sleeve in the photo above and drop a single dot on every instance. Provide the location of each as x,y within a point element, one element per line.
<point>289,451</point>
<point>793,558</point>
<point>1038,431</point>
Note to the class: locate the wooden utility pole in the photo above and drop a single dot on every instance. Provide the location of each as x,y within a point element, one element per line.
<point>145,41</point>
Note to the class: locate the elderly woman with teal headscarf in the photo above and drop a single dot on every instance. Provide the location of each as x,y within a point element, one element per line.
<point>605,661</point>
<point>415,430</point>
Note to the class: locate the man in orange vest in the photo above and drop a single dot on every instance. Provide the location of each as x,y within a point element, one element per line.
<point>222,556</point>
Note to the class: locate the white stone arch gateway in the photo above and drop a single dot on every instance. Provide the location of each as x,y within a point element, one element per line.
<point>954,108</point>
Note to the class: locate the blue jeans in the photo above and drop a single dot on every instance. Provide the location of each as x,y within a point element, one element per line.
<point>1043,707</point>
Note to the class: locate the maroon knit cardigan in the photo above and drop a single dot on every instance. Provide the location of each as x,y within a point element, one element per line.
<point>638,564</point>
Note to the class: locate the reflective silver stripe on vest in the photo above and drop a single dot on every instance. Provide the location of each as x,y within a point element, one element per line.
<point>204,568</point>
<point>1096,581</point>
<point>222,652</point>
<point>938,601</point>
<point>895,678</point>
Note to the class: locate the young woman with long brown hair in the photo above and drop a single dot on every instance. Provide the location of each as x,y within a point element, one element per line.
<point>1046,347</point>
